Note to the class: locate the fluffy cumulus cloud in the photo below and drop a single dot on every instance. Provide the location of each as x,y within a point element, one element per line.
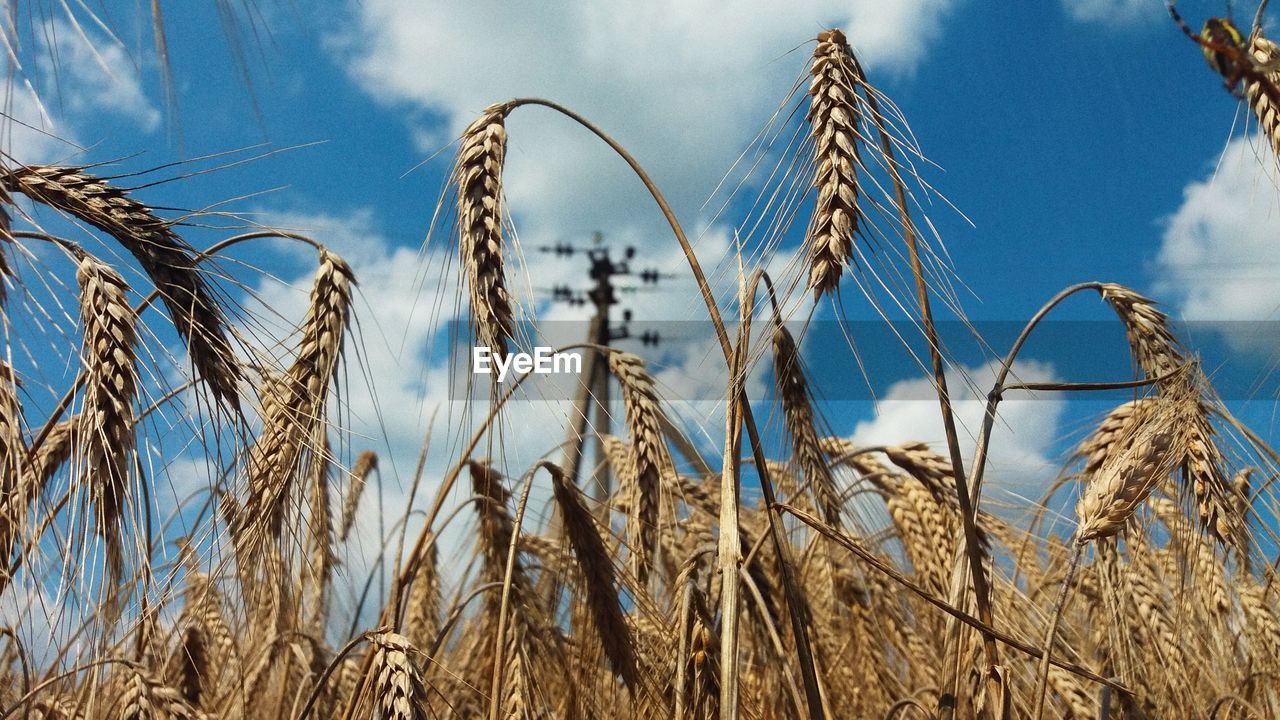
<point>1219,253</point>
<point>1022,457</point>
<point>65,82</point>
<point>93,74</point>
<point>685,86</point>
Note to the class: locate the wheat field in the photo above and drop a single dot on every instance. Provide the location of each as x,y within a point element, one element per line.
<point>733,578</point>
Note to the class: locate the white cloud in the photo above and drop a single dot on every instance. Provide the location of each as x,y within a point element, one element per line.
<point>92,74</point>
<point>1221,248</point>
<point>27,132</point>
<point>69,79</point>
<point>1021,455</point>
<point>1113,12</point>
<point>684,86</point>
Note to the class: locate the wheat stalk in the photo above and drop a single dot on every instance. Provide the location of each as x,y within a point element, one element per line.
<point>6,239</point>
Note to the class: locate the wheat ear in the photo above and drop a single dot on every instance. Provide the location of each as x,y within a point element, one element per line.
<point>52,454</point>
<point>366,463</point>
<point>477,175</point>
<point>598,580</point>
<point>294,406</point>
<point>146,698</point>
<point>793,390</point>
<point>833,118</point>
<point>12,448</point>
<point>166,259</point>
<point>399,693</point>
<point>1134,466</point>
<point>1160,356</point>
<point>111,383</point>
<point>649,458</point>
<point>1263,90</point>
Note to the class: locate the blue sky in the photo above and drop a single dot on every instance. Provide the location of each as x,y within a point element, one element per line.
<point>1081,140</point>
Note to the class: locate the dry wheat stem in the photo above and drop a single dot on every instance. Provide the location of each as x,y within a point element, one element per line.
<point>968,513</point>
<point>729,545</point>
<point>1042,682</point>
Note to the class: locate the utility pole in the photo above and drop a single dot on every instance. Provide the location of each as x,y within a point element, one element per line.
<point>591,407</point>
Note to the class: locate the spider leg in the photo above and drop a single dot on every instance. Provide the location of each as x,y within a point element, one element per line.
<point>1186,29</point>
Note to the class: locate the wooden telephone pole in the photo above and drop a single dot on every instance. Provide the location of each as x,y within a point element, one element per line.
<point>591,406</point>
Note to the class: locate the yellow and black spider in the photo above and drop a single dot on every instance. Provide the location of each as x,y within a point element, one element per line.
<point>1224,48</point>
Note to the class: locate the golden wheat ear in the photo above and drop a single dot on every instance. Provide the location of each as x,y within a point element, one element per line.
<point>109,355</point>
<point>477,177</point>
<point>12,447</point>
<point>1148,452</point>
<point>166,259</point>
<point>649,459</point>
<point>793,390</point>
<point>598,578</point>
<point>1262,88</point>
<point>145,696</point>
<point>294,406</point>
<point>1162,360</point>
<point>833,118</point>
<point>366,463</point>
<point>398,690</point>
